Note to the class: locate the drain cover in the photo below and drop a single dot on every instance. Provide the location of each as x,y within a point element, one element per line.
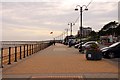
<point>57,78</point>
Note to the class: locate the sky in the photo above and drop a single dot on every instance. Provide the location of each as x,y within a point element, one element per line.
<point>35,19</point>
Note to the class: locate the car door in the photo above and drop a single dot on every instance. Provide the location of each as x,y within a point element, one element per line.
<point>118,50</point>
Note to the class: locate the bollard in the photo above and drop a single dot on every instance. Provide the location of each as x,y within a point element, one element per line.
<point>24,52</point>
<point>9,56</point>
<point>15,54</point>
<point>20,53</point>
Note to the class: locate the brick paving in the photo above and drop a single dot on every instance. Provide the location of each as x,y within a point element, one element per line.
<point>59,59</point>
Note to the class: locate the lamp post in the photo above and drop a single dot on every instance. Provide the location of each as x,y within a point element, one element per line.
<point>66,40</point>
<point>62,35</point>
<point>71,24</point>
<point>81,10</point>
<point>66,31</point>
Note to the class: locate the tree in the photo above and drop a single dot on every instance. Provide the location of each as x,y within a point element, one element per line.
<point>109,29</point>
<point>93,35</point>
<point>109,25</point>
<point>118,30</point>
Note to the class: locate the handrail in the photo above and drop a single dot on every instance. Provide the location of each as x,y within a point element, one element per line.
<point>12,54</point>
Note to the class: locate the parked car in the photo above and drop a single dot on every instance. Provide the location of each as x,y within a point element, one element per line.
<point>113,51</point>
<point>87,45</point>
<point>77,45</point>
<point>71,42</point>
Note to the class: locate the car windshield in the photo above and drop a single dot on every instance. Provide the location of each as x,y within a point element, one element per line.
<point>89,43</point>
<point>114,44</point>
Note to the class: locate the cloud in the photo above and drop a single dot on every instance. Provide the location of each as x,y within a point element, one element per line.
<point>97,17</point>
<point>15,33</point>
<point>70,1</point>
<point>35,20</point>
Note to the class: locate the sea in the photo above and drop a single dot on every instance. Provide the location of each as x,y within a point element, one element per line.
<point>7,44</point>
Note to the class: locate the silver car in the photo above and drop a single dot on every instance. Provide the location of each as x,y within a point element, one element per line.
<point>87,45</point>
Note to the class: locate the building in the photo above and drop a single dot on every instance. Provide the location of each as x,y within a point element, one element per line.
<point>85,31</point>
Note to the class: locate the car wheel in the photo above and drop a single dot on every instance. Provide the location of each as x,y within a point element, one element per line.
<point>111,55</point>
<point>80,50</point>
<point>104,55</point>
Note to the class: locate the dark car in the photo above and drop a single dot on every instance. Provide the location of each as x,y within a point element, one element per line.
<point>71,42</point>
<point>77,45</point>
<point>113,51</point>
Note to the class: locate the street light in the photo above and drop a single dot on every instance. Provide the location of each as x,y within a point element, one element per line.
<point>66,36</point>
<point>66,31</point>
<point>81,10</point>
<point>71,24</point>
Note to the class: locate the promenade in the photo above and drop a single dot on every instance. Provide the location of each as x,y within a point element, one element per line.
<point>60,60</point>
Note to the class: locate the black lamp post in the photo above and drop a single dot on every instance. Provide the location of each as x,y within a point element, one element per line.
<point>81,10</point>
<point>66,35</point>
<point>66,31</point>
<point>71,24</point>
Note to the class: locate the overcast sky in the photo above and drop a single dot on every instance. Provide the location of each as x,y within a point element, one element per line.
<point>23,20</point>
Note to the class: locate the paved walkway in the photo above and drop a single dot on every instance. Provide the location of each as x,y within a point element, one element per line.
<point>60,60</point>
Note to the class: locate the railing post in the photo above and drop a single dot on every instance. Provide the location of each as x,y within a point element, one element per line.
<point>43,46</point>
<point>35,48</point>
<point>9,56</point>
<point>40,46</point>
<point>32,48</point>
<point>20,53</point>
<point>24,52</point>
<point>15,54</point>
<point>1,57</point>
<point>27,49</point>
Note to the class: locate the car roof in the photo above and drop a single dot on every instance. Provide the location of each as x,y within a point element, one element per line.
<point>114,44</point>
<point>91,42</point>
